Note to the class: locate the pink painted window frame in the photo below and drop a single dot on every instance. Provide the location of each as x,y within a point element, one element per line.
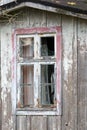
<point>39,30</point>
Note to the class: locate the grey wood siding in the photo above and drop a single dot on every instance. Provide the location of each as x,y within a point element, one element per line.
<point>38,123</point>
<point>69,69</point>
<point>82,74</point>
<point>74,72</point>
<point>0,85</point>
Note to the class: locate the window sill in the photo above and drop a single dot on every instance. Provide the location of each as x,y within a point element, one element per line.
<point>36,112</point>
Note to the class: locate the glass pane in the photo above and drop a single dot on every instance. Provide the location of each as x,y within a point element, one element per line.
<point>27,47</point>
<point>27,85</point>
<point>47,84</point>
<point>47,46</point>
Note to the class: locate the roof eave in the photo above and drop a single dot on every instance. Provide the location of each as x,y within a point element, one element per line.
<point>42,7</point>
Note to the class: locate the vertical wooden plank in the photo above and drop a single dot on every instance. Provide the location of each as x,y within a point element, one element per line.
<point>6,80</point>
<point>26,15</point>
<point>69,73</point>
<point>53,19</point>
<point>74,74</point>
<point>0,83</point>
<point>19,22</point>
<point>82,74</point>
<point>28,122</point>
<point>21,123</point>
<point>54,123</point>
<point>22,19</point>
<point>38,123</point>
<point>37,18</point>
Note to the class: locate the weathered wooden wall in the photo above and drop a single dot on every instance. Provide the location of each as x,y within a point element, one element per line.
<point>74,77</point>
<point>82,75</point>
<point>69,69</point>
<point>0,85</point>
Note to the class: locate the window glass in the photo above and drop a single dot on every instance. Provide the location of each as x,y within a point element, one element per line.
<point>27,47</point>
<point>27,84</point>
<point>47,84</point>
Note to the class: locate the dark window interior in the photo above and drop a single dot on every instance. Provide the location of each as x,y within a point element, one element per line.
<point>47,46</point>
<point>47,84</point>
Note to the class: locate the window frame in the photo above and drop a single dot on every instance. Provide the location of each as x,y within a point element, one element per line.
<point>40,31</point>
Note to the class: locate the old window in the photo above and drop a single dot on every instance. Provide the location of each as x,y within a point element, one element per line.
<point>38,69</point>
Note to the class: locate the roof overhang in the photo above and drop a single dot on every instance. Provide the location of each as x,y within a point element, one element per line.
<point>42,6</point>
<point>3,2</point>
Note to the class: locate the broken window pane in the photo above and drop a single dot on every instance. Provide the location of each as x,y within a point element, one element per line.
<point>27,47</point>
<point>47,46</point>
<point>47,84</point>
<point>27,84</point>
